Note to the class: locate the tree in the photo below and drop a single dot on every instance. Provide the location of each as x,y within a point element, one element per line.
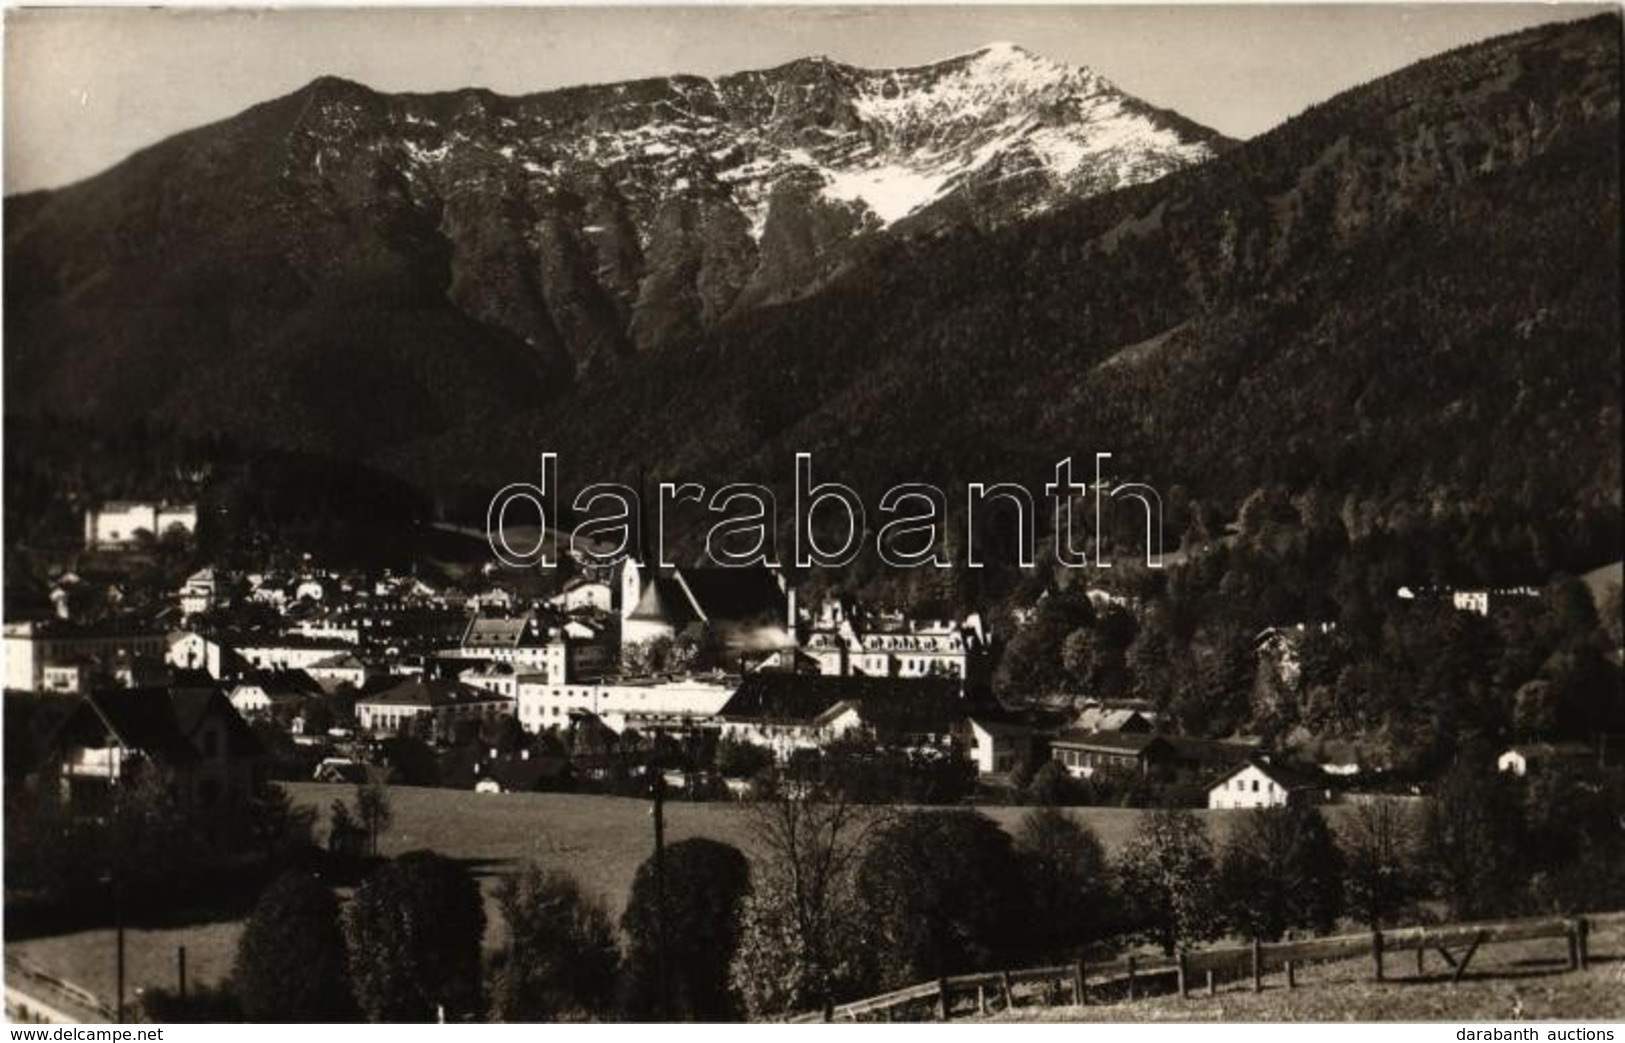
<point>1049,784</point>
<point>1280,868</point>
<point>1068,882</point>
<point>941,893</point>
<point>680,943</point>
<point>275,826</point>
<point>741,758</point>
<point>1380,880</point>
<point>801,928</point>
<point>1165,876</point>
<point>344,837</point>
<point>414,929</point>
<point>1575,839</point>
<point>503,733</point>
<point>372,808</point>
<point>1472,840</point>
<point>560,959</point>
<point>1535,709</point>
<point>291,961</point>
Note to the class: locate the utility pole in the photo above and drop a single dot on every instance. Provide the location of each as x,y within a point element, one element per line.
<point>118,930</point>
<point>657,797</point>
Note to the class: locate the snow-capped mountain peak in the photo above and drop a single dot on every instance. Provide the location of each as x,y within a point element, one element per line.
<point>757,179</point>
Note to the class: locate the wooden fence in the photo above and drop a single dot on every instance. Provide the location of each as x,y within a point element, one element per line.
<point>1131,976</point>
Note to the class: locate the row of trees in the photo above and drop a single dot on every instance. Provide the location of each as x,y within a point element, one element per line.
<point>849,901</point>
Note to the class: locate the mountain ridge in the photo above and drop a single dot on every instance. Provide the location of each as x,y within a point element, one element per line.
<point>544,235</point>
<point>1330,306</point>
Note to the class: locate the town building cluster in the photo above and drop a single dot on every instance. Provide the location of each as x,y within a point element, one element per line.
<point>344,661</point>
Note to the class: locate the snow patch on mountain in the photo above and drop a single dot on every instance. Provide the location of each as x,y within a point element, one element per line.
<point>891,191</point>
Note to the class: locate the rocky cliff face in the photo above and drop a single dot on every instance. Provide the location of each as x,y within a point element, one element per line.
<point>628,216</point>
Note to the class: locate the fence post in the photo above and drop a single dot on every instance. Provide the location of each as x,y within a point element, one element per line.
<point>1582,930</point>
<point>981,999</point>
<point>1078,995</point>
<point>1179,968</point>
<point>1376,952</point>
<point>942,999</point>
<point>1212,989</point>
<point>1009,993</point>
<point>1571,934</point>
<point>1258,965</point>
<point>1131,989</point>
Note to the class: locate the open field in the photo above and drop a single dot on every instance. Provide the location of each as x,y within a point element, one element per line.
<point>601,840</point>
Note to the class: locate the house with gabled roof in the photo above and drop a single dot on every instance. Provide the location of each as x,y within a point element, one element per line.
<point>998,745</point>
<point>193,737</point>
<point>1263,783</point>
<point>1083,754</point>
<point>272,691</point>
<point>789,712</point>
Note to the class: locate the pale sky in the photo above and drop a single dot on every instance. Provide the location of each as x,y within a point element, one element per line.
<point>86,87</point>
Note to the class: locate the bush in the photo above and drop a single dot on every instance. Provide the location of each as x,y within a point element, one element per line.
<point>203,1005</point>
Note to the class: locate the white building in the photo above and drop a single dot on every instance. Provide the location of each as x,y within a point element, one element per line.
<point>644,703</point>
<point>492,677</point>
<point>584,596</point>
<point>1537,756</point>
<point>198,594</point>
<point>190,650</point>
<point>1260,784</point>
<point>340,669</point>
<point>262,693</point>
<point>844,642</point>
<point>997,747</point>
<point>33,647</point>
<point>383,712</point>
<point>290,652</point>
<point>118,523</point>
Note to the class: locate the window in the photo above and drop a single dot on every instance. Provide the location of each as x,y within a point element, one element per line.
<point>1255,785</point>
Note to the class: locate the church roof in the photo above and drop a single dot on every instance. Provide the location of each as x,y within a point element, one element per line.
<point>735,594</point>
<point>664,601</point>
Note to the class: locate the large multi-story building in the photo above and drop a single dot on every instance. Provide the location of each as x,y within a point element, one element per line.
<point>34,647</point>
<point>654,702</point>
<point>119,523</point>
<point>845,642</point>
<point>445,702</point>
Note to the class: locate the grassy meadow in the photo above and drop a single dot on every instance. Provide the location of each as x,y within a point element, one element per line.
<point>600,840</point>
